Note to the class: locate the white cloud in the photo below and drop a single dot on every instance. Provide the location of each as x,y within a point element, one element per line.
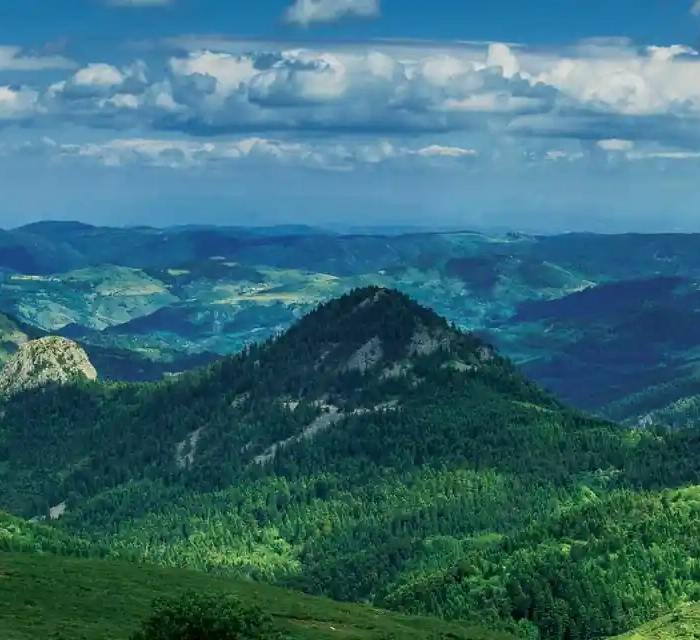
<point>98,74</point>
<point>342,154</point>
<point>695,9</point>
<point>613,144</point>
<point>305,12</point>
<point>13,59</point>
<point>184,153</point>
<point>16,104</point>
<point>94,85</point>
<point>663,155</point>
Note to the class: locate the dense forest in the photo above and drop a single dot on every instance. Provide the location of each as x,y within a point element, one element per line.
<point>372,453</point>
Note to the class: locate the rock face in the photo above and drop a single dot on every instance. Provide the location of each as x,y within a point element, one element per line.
<point>43,361</point>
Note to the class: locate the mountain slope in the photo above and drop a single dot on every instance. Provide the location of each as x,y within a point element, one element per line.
<point>363,454</point>
<point>640,337</point>
<point>14,333</point>
<point>603,564</point>
<point>27,253</point>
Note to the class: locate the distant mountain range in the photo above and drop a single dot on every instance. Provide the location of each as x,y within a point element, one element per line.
<point>608,322</point>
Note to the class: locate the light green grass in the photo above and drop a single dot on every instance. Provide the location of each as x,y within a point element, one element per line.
<point>681,624</point>
<point>106,600</point>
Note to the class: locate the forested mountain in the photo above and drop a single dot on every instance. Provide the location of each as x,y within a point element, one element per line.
<point>373,452</point>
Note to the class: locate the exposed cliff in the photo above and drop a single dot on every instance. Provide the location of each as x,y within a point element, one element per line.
<point>42,361</point>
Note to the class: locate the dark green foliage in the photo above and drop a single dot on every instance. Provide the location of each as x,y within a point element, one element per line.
<point>195,616</point>
<point>597,568</point>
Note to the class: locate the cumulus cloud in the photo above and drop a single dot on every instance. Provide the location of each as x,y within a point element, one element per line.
<point>16,103</point>
<point>305,12</point>
<point>210,92</point>
<point>614,144</point>
<point>695,9</point>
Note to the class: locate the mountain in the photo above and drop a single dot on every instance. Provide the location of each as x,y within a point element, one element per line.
<point>357,358</point>
<point>27,253</point>
<point>373,453</point>
<point>44,361</point>
<point>181,296</point>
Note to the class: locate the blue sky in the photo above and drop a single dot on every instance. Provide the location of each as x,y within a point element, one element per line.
<point>545,116</point>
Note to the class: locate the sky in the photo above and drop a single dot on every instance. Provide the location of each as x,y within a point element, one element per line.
<point>540,116</point>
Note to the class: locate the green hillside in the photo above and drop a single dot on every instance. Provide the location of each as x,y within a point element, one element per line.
<point>681,624</point>
<point>45,596</point>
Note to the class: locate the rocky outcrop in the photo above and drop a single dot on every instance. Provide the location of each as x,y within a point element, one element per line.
<point>366,357</point>
<point>47,360</point>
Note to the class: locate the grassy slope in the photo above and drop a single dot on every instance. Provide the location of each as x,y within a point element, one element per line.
<point>86,599</point>
<point>681,624</point>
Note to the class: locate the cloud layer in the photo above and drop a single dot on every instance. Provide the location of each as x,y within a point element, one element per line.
<point>588,91</point>
<point>181,154</point>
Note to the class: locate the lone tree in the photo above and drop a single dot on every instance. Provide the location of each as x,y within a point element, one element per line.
<point>196,616</point>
